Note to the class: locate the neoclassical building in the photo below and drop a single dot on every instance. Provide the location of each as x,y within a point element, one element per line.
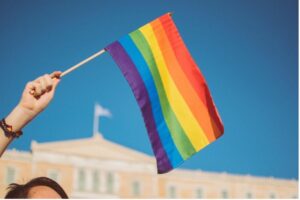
<point>97,168</point>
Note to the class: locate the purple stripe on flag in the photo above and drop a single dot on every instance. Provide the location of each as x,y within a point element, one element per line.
<point>138,87</point>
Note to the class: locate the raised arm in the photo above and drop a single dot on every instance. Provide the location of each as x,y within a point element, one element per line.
<point>30,105</point>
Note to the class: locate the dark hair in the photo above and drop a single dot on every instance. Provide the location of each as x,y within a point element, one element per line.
<point>18,191</point>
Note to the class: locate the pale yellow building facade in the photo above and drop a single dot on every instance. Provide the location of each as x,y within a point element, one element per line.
<point>97,168</point>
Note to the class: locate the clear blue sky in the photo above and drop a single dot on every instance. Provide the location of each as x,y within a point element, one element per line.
<point>247,50</point>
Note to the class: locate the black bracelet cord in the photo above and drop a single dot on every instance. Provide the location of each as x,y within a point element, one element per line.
<point>8,130</point>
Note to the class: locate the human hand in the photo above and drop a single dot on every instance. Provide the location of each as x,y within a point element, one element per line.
<point>38,93</point>
<point>35,98</point>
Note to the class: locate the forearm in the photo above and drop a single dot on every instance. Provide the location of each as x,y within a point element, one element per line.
<point>30,105</point>
<point>4,142</point>
<point>18,118</point>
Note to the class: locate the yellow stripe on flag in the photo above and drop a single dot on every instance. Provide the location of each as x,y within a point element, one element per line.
<point>183,113</point>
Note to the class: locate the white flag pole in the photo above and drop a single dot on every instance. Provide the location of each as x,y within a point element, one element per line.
<point>77,65</point>
<point>82,62</point>
<point>96,121</point>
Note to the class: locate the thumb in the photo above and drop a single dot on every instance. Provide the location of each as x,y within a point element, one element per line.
<point>56,78</point>
<point>56,74</point>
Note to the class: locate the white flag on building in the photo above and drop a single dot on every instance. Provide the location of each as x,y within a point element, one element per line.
<point>99,111</point>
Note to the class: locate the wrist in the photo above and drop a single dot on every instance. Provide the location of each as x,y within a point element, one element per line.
<point>19,117</point>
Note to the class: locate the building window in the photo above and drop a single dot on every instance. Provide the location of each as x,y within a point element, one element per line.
<point>10,175</point>
<point>81,179</point>
<point>172,192</point>
<point>272,196</point>
<point>199,193</point>
<point>136,188</point>
<point>96,181</point>
<point>54,175</point>
<point>110,183</point>
<point>249,195</point>
<point>224,194</point>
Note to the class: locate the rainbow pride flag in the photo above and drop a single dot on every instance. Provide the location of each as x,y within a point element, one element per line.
<point>178,111</point>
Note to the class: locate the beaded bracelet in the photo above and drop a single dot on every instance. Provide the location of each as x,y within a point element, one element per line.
<point>8,130</point>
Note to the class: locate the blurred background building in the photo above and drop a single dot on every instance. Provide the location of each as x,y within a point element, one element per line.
<point>97,168</point>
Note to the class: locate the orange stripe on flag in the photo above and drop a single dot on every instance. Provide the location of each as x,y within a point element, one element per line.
<point>193,73</point>
<point>195,104</point>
